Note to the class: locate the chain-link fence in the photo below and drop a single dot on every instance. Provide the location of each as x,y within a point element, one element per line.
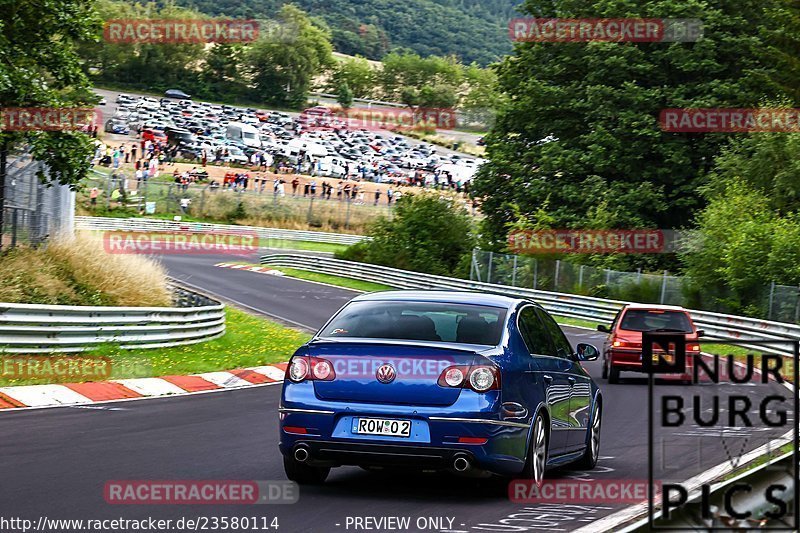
<point>772,302</point>
<point>258,204</point>
<point>34,209</point>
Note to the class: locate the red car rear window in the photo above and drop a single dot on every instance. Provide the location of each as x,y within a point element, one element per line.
<point>646,320</point>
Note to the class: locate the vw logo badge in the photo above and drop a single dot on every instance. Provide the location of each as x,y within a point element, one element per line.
<point>386,373</point>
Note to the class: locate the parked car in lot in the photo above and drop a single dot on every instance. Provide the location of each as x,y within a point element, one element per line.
<point>622,350</point>
<point>236,155</point>
<point>177,94</point>
<point>179,136</point>
<point>470,383</point>
<point>117,126</point>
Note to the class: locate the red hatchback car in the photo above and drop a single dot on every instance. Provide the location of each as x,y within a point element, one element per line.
<point>622,350</point>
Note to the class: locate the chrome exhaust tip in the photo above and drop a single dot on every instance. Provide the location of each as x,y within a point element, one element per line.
<point>301,455</point>
<point>461,463</point>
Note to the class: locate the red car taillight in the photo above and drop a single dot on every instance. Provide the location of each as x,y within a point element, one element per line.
<point>303,367</point>
<point>480,378</point>
<point>622,343</point>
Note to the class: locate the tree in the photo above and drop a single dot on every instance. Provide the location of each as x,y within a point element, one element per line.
<point>357,74</point>
<point>408,74</point>
<point>748,235</point>
<point>40,67</point>
<point>344,96</point>
<point>282,71</point>
<point>221,72</point>
<point>155,66</point>
<point>580,130</point>
<point>428,233</point>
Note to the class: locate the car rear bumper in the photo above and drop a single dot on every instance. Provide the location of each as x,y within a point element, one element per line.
<point>631,361</point>
<point>433,445</point>
<point>364,454</point>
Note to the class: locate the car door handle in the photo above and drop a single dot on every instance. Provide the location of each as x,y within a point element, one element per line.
<point>547,379</point>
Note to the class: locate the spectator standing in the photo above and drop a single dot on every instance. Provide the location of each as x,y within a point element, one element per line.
<point>295,183</point>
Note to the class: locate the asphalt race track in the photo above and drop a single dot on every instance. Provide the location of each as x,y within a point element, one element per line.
<point>57,461</point>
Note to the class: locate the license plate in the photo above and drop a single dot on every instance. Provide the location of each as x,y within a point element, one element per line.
<point>668,357</point>
<point>380,426</point>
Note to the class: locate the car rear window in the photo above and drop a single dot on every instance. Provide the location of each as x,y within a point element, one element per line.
<point>422,321</point>
<point>651,319</point>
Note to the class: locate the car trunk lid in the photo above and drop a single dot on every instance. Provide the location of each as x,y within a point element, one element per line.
<point>385,372</point>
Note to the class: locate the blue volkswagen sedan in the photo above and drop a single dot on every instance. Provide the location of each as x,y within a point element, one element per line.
<point>471,383</point>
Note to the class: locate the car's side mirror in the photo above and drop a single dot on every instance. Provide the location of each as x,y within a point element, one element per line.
<point>701,333</point>
<point>586,352</point>
<point>603,328</point>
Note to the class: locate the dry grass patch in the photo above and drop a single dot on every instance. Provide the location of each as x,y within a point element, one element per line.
<point>79,272</point>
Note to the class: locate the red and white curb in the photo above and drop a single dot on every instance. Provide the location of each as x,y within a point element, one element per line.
<point>250,268</point>
<point>37,396</point>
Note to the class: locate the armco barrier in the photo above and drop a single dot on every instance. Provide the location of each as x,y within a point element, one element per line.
<point>156,225</point>
<point>30,328</point>
<point>715,325</point>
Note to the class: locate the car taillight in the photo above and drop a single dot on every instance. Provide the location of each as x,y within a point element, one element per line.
<point>621,343</point>
<point>302,367</point>
<point>693,347</point>
<point>480,378</point>
<point>298,369</point>
<point>322,369</point>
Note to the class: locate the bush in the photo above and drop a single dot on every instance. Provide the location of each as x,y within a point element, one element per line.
<point>236,214</point>
<point>429,233</point>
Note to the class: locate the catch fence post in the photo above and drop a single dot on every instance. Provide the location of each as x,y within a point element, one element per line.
<point>514,273</point>
<point>558,269</point>
<point>771,299</point>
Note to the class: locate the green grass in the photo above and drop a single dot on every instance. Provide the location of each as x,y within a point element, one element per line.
<point>303,245</point>
<point>248,341</point>
<point>348,283</point>
<point>786,448</point>
<point>568,321</point>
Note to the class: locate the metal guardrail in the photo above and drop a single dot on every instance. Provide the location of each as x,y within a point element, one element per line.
<point>31,328</point>
<point>151,224</point>
<point>732,328</point>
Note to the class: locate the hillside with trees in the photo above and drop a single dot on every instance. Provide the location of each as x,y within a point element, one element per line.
<point>472,30</point>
